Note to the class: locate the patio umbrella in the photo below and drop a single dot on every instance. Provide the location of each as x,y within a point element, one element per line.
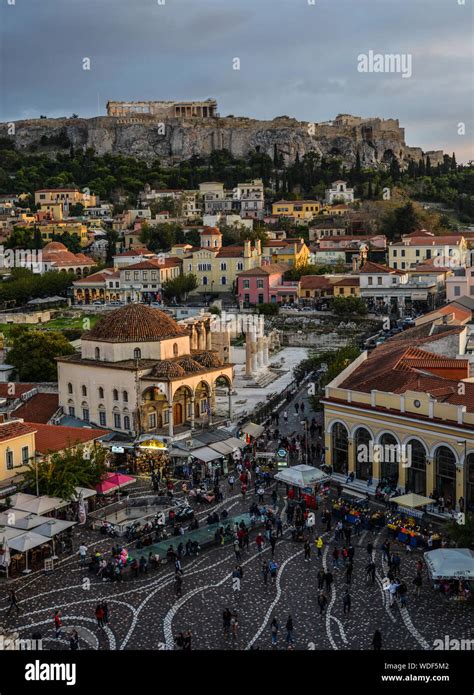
<point>302,476</point>
<point>51,528</point>
<point>412,500</point>
<point>18,519</point>
<point>114,481</point>
<point>37,505</point>
<point>26,542</point>
<point>450,563</point>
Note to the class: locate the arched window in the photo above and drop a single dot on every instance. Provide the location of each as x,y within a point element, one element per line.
<point>69,388</point>
<point>137,354</point>
<point>416,471</point>
<point>125,396</point>
<point>446,474</point>
<point>101,392</point>
<point>84,390</point>
<point>204,280</point>
<point>126,422</point>
<point>175,349</point>
<point>389,459</point>
<point>97,353</point>
<point>363,453</point>
<point>115,395</point>
<point>340,448</point>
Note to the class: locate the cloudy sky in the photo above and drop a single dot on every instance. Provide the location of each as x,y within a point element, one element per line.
<point>297,57</point>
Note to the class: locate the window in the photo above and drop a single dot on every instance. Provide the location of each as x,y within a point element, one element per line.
<point>379,281</point>
<point>403,265</point>
<point>261,299</point>
<point>84,390</point>
<point>25,454</point>
<point>9,458</point>
<point>125,396</point>
<point>145,275</point>
<point>137,354</point>
<point>240,266</point>
<point>457,290</point>
<point>97,353</point>
<point>85,414</point>
<point>403,253</point>
<point>117,421</point>
<point>204,280</point>
<point>203,405</point>
<point>153,274</point>
<point>101,392</point>
<point>152,421</point>
<point>72,411</point>
<point>260,284</point>
<point>102,418</point>
<point>126,422</point>
<point>175,349</point>
<point>127,275</point>
<point>247,298</point>
<point>166,416</point>
<point>136,275</point>
<point>395,252</point>
<point>69,388</point>
<point>394,280</point>
<point>371,280</point>
<point>417,252</point>
<point>115,394</point>
<point>223,266</point>
<point>223,280</point>
<point>394,265</point>
<point>246,284</point>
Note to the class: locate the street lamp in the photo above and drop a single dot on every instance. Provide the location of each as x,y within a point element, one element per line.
<point>464,475</point>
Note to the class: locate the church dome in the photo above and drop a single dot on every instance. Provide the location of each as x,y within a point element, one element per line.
<point>167,368</point>
<point>207,359</point>
<point>54,246</point>
<point>135,323</point>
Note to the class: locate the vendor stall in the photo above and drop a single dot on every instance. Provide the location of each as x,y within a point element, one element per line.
<point>452,571</point>
<point>152,455</point>
<point>306,482</point>
<point>25,543</point>
<point>114,482</point>
<point>406,523</point>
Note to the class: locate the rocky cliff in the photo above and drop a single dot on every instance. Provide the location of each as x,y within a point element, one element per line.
<point>145,137</point>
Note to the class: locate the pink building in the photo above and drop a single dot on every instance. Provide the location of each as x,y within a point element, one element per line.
<point>265,285</point>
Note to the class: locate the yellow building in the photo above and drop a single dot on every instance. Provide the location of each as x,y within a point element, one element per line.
<point>445,251</point>
<point>17,448</point>
<point>347,287</point>
<point>216,266</point>
<point>405,414</point>
<point>300,209</point>
<point>49,230</point>
<point>294,252</point>
<point>65,197</point>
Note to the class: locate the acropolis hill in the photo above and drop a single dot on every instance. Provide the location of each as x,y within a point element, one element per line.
<point>172,131</point>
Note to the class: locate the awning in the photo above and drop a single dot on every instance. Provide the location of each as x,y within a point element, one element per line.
<point>222,448</point>
<point>205,454</point>
<point>302,476</point>
<point>450,563</point>
<point>236,443</point>
<point>25,521</point>
<point>253,430</point>
<point>8,532</point>
<point>412,500</point>
<point>37,505</point>
<point>112,482</point>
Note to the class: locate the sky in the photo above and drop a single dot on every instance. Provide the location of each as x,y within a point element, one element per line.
<point>297,57</point>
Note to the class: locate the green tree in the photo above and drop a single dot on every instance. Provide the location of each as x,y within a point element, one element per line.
<point>462,534</point>
<point>61,472</point>
<point>349,306</point>
<point>33,353</point>
<point>179,288</point>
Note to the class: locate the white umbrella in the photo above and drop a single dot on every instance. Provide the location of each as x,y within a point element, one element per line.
<point>40,505</point>
<point>51,528</point>
<point>16,518</point>
<point>450,563</point>
<point>26,542</point>
<point>5,557</point>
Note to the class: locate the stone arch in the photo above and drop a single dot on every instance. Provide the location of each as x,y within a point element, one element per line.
<point>445,462</point>
<point>448,446</point>
<point>390,457</point>
<point>416,471</point>
<point>182,403</point>
<point>340,447</point>
<point>335,422</point>
<point>362,435</point>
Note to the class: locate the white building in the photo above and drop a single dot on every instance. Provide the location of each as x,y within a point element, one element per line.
<point>339,193</point>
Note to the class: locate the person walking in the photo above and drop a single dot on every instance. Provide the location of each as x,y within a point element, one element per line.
<point>289,630</point>
<point>99,614</point>
<point>57,624</point>
<point>285,417</point>
<point>272,543</point>
<point>418,581</point>
<point>13,602</point>
<point>265,571</point>
<point>319,545</point>
<point>178,584</point>
<point>322,602</point>
<point>307,551</point>
<point>349,569</point>
<point>346,602</point>
<point>226,618</point>
<point>328,580</point>
<point>234,626</point>
<point>274,627</point>
<point>259,541</point>
<point>335,558</point>
<point>377,640</point>
<point>370,571</point>
<point>105,608</point>
<point>260,493</point>
<point>321,575</point>
<point>238,554</point>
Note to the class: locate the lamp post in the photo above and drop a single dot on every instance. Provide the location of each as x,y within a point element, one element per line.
<point>464,477</point>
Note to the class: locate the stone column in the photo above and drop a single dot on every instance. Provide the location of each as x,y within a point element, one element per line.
<point>254,357</point>
<point>259,353</point>
<point>461,471</point>
<point>266,357</point>
<point>430,475</point>
<point>170,421</point>
<point>229,394</point>
<point>212,406</point>
<point>327,449</point>
<point>376,463</point>
<point>208,338</point>
<point>248,356</point>
<point>192,411</point>
<point>350,456</point>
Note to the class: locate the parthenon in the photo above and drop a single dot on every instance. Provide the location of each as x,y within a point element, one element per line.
<point>164,109</point>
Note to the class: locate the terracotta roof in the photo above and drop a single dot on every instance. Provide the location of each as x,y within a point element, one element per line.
<point>52,190</point>
<point>452,239</point>
<point>96,278</point>
<point>134,323</point>
<point>265,269</point>
<point>51,438</point>
<point>154,264</point>
<point>229,252</point>
<point>137,252</point>
<point>10,430</point>
<point>207,358</point>
<point>39,408</point>
<point>207,231</point>
<point>347,282</point>
<point>377,268</point>
<point>54,246</point>
<point>314,282</point>
<point>168,368</point>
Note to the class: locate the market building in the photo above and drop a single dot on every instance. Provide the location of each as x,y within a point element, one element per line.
<point>413,397</point>
<point>140,372</point>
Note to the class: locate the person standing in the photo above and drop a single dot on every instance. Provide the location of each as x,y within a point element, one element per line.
<point>418,581</point>
<point>74,641</point>
<point>99,614</point>
<point>322,602</point>
<point>57,624</point>
<point>377,640</point>
<point>105,608</point>
<point>82,553</point>
<point>346,602</point>
<point>319,545</point>
<point>234,626</point>
<point>265,572</point>
<point>259,542</point>
<point>328,580</point>
<point>289,630</point>
<point>226,620</point>
<point>307,551</point>
<point>349,569</point>
<point>274,627</point>
<point>370,571</point>
<point>370,549</point>
<point>320,579</point>
<point>335,558</point>
<point>285,417</point>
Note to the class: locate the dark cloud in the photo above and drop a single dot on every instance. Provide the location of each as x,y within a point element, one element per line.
<point>296,59</point>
